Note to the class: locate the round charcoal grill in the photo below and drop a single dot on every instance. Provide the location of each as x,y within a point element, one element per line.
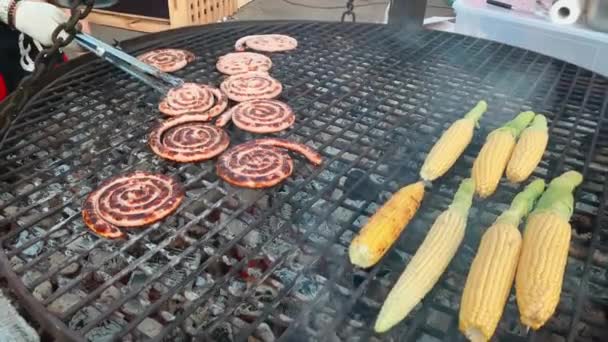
<point>233,264</point>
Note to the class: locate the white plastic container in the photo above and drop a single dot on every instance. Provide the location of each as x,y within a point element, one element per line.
<point>576,43</point>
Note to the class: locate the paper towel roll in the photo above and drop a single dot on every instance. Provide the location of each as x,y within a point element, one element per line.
<point>566,12</point>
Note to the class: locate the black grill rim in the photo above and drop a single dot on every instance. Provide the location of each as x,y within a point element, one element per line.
<point>56,327</point>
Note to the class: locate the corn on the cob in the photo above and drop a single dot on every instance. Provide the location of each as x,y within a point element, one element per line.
<point>451,144</point>
<point>528,151</point>
<point>430,261</point>
<point>544,253</point>
<point>385,226</point>
<point>491,275</point>
<point>495,153</point>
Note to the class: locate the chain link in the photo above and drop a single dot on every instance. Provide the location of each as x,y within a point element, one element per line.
<point>62,36</point>
<point>350,11</point>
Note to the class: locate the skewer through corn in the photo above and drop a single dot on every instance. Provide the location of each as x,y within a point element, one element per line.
<point>529,150</point>
<point>451,144</point>
<point>430,261</point>
<point>495,153</point>
<point>491,275</point>
<point>385,226</point>
<point>544,253</point>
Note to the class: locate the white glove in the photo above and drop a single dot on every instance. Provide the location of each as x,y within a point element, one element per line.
<point>38,20</point>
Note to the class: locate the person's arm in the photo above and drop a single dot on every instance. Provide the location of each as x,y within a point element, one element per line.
<point>7,8</point>
<point>34,18</point>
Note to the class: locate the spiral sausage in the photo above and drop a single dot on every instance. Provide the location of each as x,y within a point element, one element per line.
<point>266,43</point>
<point>251,86</point>
<point>186,138</point>
<point>192,98</point>
<point>240,62</point>
<point>259,116</point>
<point>132,200</point>
<point>261,163</point>
<point>167,60</point>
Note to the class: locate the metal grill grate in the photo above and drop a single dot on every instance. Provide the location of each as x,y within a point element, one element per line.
<point>233,263</point>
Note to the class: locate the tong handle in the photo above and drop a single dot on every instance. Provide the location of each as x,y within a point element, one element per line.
<point>128,63</point>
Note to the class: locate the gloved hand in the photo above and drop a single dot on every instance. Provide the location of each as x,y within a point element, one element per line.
<point>38,20</point>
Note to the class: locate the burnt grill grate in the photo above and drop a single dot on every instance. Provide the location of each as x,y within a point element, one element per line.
<point>233,264</point>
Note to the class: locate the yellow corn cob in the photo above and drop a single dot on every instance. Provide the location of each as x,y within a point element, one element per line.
<point>491,275</point>
<point>451,144</point>
<point>495,153</point>
<point>489,282</point>
<point>430,261</point>
<point>529,150</point>
<point>385,226</point>
<point>544,253</point>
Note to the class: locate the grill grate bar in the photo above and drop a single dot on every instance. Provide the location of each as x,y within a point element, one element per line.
<point>293,283</point>
<point>56,122</point>
<point>536,84</point>
<point>103,69</point>
<point>509,97</point>
<point>40,257</point>
<point>149,308</point>
<point>330,327</point>
<point>324,249</point>
<point>327,248</point>
<point>342,312</point>
<point>87,78</point>
<point>501,101</point>
<point>53,210</point>
<point>77,280</point>
<point>242,262</point>
<point>484,205</point>
<point>552,126</point>
<point>54,179</point>
<point>159,274</point>
<point>58,177</point>
<point>581,293</point>
<point>60,161</point>
<point>131,266</point>
<point>347,307</point>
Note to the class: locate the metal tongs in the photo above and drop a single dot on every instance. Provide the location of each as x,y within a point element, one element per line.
<point>148,74</point>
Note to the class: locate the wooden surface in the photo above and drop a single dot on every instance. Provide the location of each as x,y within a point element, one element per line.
<point>181,13</point>
<point>128,21</point>
<point>438,8</point>
<point>196,12</point>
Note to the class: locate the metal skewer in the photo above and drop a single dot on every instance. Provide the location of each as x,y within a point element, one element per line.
<point>148,74</point>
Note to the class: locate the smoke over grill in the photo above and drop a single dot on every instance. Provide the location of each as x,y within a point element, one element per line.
<point>270,264</point>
